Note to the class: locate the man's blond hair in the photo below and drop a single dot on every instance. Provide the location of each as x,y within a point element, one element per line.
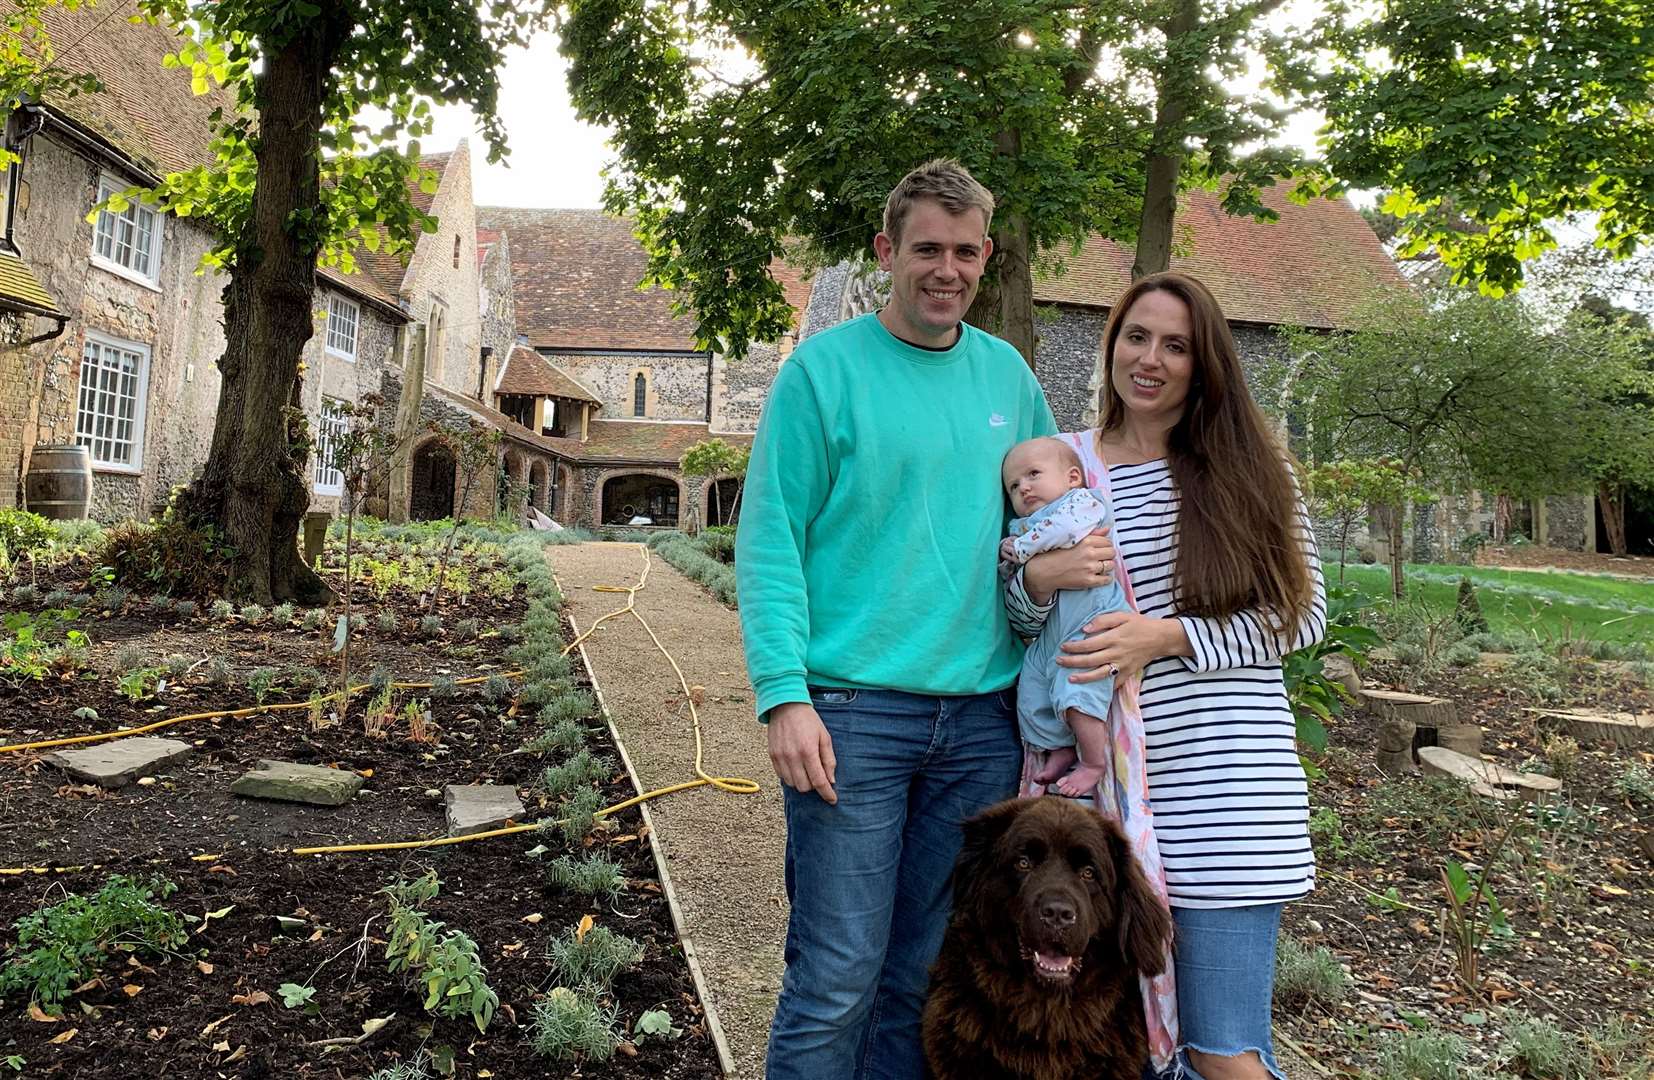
<point>943,180</point>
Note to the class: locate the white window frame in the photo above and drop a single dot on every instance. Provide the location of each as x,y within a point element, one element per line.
<point>133,216</point>
<point>92,428</point>
<point>337,308</point>
<point>324,478</point>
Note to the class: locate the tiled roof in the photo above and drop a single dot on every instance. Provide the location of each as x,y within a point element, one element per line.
<point>20,290</point>
<point>527,372</point>
<point>643,442</point>
<point>509,427</point>
<point>1313,267</point>
<point>486,239</point>
<point>147,111</point>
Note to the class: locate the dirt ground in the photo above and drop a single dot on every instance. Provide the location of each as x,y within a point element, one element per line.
<point>1535,557</point>
<point>725,851</point>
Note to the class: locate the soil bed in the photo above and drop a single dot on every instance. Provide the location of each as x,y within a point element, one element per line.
<point>180,1017</point>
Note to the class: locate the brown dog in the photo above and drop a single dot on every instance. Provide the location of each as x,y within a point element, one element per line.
<point>1038,975</point>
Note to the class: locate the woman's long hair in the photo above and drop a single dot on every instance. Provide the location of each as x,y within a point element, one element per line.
<point>1237,533</point>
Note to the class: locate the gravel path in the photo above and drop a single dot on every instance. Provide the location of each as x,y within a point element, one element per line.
<point>724,851</point>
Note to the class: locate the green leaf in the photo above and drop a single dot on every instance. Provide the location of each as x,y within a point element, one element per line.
<point>293,995</point>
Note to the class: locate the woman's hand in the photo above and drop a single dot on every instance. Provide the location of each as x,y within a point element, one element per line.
<point>1086,565</point>
<point>1121,644</point>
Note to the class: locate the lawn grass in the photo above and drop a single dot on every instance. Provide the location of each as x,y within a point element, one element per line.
<point>1546,606</point>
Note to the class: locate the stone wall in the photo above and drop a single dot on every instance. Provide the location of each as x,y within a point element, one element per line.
<point>327,375</point>
<point>1065,362</point>
<point>497,310</point>
<point>433,280</point>
<point>676,382</point>
<point>740,387</point>
<point>177,319</point>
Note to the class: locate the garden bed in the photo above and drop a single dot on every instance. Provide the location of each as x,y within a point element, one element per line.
<point>265,918</point>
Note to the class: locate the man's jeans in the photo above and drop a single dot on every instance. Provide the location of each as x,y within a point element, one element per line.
<point>869,877</point>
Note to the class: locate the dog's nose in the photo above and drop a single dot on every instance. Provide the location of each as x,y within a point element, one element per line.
<point>1057,912</point>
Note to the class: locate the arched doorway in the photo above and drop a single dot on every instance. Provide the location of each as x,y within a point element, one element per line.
<point>537,484</point>
<point>431,494</point>
<point>640,495</point>
<point>722,505</point>
<point>509,488</point>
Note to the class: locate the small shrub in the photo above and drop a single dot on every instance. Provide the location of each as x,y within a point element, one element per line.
<point>563,735</point>
<point>466,629</point>
<point>1462,654</point>
<point>443,687</point>
<point>253,612</point>
<point>567,1026</point>
<point>62,946</point>
<point>590,875</point>
<point>21,531</point>
<point>177,664</point>
<point>496,688</point>
<point>444,963</point>
<point>169,557</point>
<point>380,678</point>
<point>1491,642</point>
<point>576,705</point>
<point>1537,1047</point>
<point>1467,610</point>
<point>282,615</point>
<point>1307,976</point>
<point>579,815</point>
<point>405,1070</point>
<point>594,960</point>
<point>25,594</point>
<point>260,681</point>
<point>1536,676</point>
<point>160,604</point>
<point>579,770</point>
<point>385,621</point>
<point>1561,755</point>
<point>110,598</point>
<point>186,609</point>
<point>218,671</point>
<point>430,625</point>
<point>1422,1055</point>
<point>314,619</point>
<point>221,610</point>
<point>129,657</point>
<point>1635,783</point>
<point>57,598</point>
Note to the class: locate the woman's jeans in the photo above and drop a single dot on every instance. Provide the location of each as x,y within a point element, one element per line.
<point>868,878</point>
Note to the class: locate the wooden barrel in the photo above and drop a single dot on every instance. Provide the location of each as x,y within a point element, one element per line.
<point>58,484</point>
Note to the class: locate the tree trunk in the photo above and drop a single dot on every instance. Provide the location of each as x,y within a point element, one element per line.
<point>1612,501</point>
<point>1398,562</point>
<point>253,486</point>
<point>1164,162</point>
<point>1004,305</point>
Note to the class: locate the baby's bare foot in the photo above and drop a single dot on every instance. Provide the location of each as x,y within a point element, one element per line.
<point>1057,762</point>
<point>1082,781</point>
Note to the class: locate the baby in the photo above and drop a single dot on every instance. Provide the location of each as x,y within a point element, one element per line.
<point>1046,485</point>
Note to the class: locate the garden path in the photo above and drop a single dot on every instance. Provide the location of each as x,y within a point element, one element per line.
<point>724,851</point>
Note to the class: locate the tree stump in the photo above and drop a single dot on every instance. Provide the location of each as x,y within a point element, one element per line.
<point>1626,730</point>
<point>1340,670</point>
<point>1423,721</point>
<point>1488,778</point>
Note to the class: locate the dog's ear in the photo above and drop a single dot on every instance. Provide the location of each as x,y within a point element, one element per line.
<point>1145,924</point>
<point>975,866</point>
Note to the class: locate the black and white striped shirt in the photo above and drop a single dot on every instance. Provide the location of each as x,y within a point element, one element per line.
<point>1231,806</point>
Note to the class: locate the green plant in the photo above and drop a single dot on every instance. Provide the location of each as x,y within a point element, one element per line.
<point>1561,755</point>
<point>444,687</point>
<point>60,947</point>
<point>314,619</point>
<point>22,531</point>
<point>569,1025</point>
<point>496,688</point>
<point>579,815</point>
<point>1635,782</point>
<point>430,625</point>
<point>282,614</point>
<point>1316,699</point>
<point>1422,1055</point>
<point>1537,1047</point>
<point>261,680</point>
<point>253,612</point>
<point>656,1024</point>
<point>1467,610</point>
<point>57,598</point>
<point>110,598</point>
<point>405,1070</point>
<point>186,609</point>
<point>1536,676</point>
<point>1461,654</point>
<point>25,594</point>
<point>582,768</point>
<point>31,646</point>
<point>573,705</point>
<point>1464,921</point>
<point>169,556</point>
<point>591,958</point>
<point>444,962</point>
<point>139,683</point>
<point>222,610</point>
<point>590,875</point>
<point>1306,976</point>
<point>129,657</point>
<point>294,996</point>
<point>563,735</point>
<point>466,629</point>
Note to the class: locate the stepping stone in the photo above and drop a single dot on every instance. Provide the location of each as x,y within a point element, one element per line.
<point>288,782</point>
<point>474,808</point>
<point>1487,778</point>
<point>116,764</point>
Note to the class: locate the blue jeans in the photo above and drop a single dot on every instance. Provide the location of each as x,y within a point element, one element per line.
<point>868,878</point>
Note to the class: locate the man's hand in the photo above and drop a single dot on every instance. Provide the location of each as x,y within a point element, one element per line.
<point>801,750</point>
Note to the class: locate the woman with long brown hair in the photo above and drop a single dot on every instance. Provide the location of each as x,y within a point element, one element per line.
<point>1222,562</point>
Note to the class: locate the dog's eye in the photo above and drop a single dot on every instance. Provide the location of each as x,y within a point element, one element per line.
<point>1088,873</point>
<point>1024,863</point>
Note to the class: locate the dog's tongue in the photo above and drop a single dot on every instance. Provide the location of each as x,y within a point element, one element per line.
<point>1053,962</point>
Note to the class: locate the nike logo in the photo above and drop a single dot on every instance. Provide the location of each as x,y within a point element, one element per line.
<point>996,420</point>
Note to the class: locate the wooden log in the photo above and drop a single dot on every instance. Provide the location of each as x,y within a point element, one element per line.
<point>1626,730</point>
<point>1395,746</point>
<point>1488,778</point>
<point>1465,738</point>
<point>1431,712</point>
<point>1433,721</point>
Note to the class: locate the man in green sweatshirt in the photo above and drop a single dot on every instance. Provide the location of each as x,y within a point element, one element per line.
<point>875,633</point>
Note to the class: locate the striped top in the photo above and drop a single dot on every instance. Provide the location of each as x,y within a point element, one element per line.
<point>1231,807</point>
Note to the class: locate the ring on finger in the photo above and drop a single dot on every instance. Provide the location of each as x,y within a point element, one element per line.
<point>1114,669</point>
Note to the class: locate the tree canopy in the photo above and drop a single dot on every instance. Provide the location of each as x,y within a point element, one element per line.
<point>1508,115</point>
<point>745,126</point>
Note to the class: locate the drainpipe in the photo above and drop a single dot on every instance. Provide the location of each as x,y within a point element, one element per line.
<point>23,124</point>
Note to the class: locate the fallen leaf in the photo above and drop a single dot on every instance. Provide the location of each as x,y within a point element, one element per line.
<point>90,984</point>
<point>1614,890</point>
<point>64,1036</point>
<point>222,1047</point>
<point>212,1027</point>
<point>220,868</point>
<point>257,997</point>
<point>373,1024</point>
<point>240,1052</point>
<point>366,774</point>
<point>38,1014</point>
<point>206,858</point>
<point>585,927</point>
<point>146,781</point>
<point>628,1049</point>
<point>508,1012</point>
<point>317,936</point>
<point>156,1034</point>
<point>534,919</point>
<point>132,990</point>
<point>206,968</point>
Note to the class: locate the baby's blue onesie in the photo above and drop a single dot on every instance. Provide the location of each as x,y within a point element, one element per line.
<point>1044,693</point>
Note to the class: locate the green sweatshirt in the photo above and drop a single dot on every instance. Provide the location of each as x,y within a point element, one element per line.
<point>872,514</point>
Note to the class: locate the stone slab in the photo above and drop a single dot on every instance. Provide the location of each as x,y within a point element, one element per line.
<point>116,764</point>
<point>288,782</point>
<point>474,808</point>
